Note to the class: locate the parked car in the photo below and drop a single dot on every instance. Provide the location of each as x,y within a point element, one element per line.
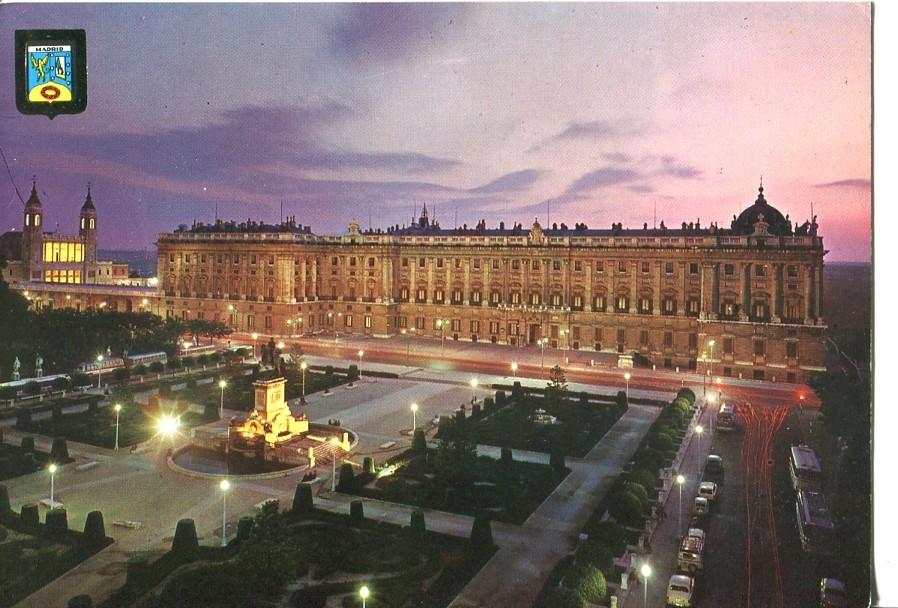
<point>708,489</point>
<point>833,594</point>
<point>680,590</point>
<point>714,470</point>
<point>701,506</point>
<point>690,557</point>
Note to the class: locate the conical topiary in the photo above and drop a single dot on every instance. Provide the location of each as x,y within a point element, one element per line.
<point>347,475</point>
<point>27,445</point>
<point>356,512</point>
<point>185,542</point>
<point>57,522</point>
<point>481,533</point>
<point>59,451</point>
<point>419,442</point>
<point>302,501</point>
<point>368,465</point>
<point>30,516</point>
<point>418,528</point>
<point>5,507</point>
<point>94,535</point>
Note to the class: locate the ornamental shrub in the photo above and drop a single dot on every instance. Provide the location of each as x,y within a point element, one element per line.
<point>5,506</point>
<point>681,404</point>
<point>489,404</point>
<point>140,370</point>
<point>356,512</point>
<point>302,501</point>
<point>517,391</point>
<point>476,411</point>
<point>588,581</point>
<point>621,399</point>
<point>481,533</point>
<point>347,475</point>
<point>81,379</point>
<point>662,441</point>
<point>157,367</point>
<point>211,411</point>
<point>506,457</point>
<point>203,359</point>
<point>584,398</point>
<point>419,442</point>
<point>245,526</point>
<point>80,601</point>
<point>29,516</point>
<point>594,553</point>
<point>353,373</point>
<point>27,445</point>
<point>688,394</point>
<point>417,528</point>
<point>368,465</point>
<point>500,398</point>
<point>94,536</point>
<point>639,492</point>
<point>644,478</point>
<point>612,535</point>
<point>61,384</point>
<point>59,451</point>
<point>187,361</point>
<point>173,364</point>
<point>121,374</point>
<point>57,522</point>
<point>185,543</point>
<point>329,370</point>
<point>137,571</point>
<point>626,508</point>
<point>562,597</point>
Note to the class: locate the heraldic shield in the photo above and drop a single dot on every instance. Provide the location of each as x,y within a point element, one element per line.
<point>51,72</point>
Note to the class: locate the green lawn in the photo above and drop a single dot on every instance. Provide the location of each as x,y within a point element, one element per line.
<point>579,425</point>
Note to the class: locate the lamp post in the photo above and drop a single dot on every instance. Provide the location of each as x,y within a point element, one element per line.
<point>542,351</point>
<point>646,572</point>
<point>364,592</point>
<point>627,379</point>
<point>335,443</point>
<point>303,366</point>
<point>473,390</point>
<point>361,352</point>
<point>225,485</point>
<point>255,337</point>
<point>680,481</point>
<point>414,417</point>
<point>711,344</point>
<point>514,368</point>
<point>118,410</point>
<point>221,384</point>
<point>52,469</point>
<point>442,327</point>
<point>100,371</point>
<point>564,334</point>
<point>712,399</point>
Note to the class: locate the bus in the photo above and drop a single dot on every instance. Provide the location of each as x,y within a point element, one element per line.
<point>815,527</point>
<point>45,382</point>
<point>726,417</point>
<point>804,468</point>
<point>132,361</point>
<point>97,367</point>
<point>189,349</point>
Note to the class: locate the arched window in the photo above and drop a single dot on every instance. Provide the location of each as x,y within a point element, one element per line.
<point>27,219</point>
<point>83,222</point>
<point>37,219</point>
<point>92,223</point>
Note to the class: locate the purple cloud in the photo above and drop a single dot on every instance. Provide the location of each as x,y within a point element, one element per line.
<point>512,182</point>
<point>846,183</point>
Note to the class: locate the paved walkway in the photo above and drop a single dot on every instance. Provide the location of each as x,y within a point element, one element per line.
<point>665,541</point>
<point>517,572</point>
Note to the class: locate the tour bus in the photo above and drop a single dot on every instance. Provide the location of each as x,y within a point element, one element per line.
<point>726,417</point>
<point>804,468</point>
<point>189,349</point>
<point>96,367</point>
<point>132,361</point>
<point>815,527</point>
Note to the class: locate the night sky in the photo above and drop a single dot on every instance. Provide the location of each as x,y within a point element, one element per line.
<point>600,112</point>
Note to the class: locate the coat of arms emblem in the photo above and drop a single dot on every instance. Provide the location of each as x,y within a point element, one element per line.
<point>51,72</point>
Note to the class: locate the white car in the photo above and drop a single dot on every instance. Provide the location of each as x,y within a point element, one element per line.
<point>680,590</point>
<point>701,506</point>
<point>708,489</point>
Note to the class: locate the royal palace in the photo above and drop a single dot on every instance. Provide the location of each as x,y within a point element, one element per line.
<point>740,301</point>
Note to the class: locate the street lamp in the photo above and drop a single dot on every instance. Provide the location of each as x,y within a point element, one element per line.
<point>414,416</point>
<point>680,481</point>
<point>168,425</point>
<point>336,443</point>
<point>473,384</point>
<point>564,334</point>
<point>364,592</point>
<point>361,352</point>
<point>221,384</point>
<point>542,351</point>
<point>255,337</point>
<point>225,485</point>
<point>52,469</point>
<point>303,367</point>
<point>118,410</point>
<point>99,371</point>
<point>627,379</point>
<point>441,325</point>
<point>646,572</point>
<point>712,399</point>
<point>514,368</point>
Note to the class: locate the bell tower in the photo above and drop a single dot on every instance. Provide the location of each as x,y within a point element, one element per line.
<point>33,234</point>
<point>87,230</point>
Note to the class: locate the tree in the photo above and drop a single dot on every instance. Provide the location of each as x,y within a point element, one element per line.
<point>644,478</point>
<point>594,553</point>
<point>185,543</point>
<point>121,374</point>
<point>610,534</point>
<point>347,476</point>
<point>57,522</point>
<point>556,389</point>
<point>481,533</point>
<point>302,501</point>
<point>417,528</point>
<point>588,581</point>
<point>59,451</point>
<point>209,328</point>
<point>419,442</point>
<point>456,456</point>
<point>29,516</point>
<point>662,442</point>
<point>5,506</point>
<point>626,508</point>
<point>61,384</point>
<point>157,367</point>
<point>562,597</point>
<point>639,492</point>
<point>79,380</point>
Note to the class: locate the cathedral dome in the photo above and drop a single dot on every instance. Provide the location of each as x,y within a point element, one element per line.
<point>761,211</point>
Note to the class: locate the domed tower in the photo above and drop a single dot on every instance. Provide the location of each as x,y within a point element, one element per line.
<point>33,234</point>
<point>87,230</point>
<point>764,214</point>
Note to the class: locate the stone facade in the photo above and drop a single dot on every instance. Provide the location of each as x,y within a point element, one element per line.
<point>746,300</point>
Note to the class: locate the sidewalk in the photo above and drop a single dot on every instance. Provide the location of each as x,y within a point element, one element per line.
<point>665,540</point>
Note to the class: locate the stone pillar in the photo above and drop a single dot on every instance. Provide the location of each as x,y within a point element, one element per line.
<point>818,292</point>
<point>466,296</point>
<point>587,291</point>
<point>776,306</point>
<point>284,276</point>
<point>715,292</point>
<point>302,278</point>
<point>429,293</point>
<point>412,282</point>
<point>684,292</point>
<point>656,289</point>
<point>487,287</point>
<point>610,269</point>
<point>744,291</point>
<point>313,294</point>
<point>808,293</point>
<point>633,291</point>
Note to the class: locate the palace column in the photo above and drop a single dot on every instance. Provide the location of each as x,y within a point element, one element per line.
<point>776,305</point>
<point>430,263</point>
<point>412,283</point>
<point>681,301</point>
<point>314,292</point>
<point>302,278</point>
<point>818,280</point>
<point>744,291</point>
<point>284,276</point>
<point>587,290</point>
<point>633,279</point>
<point>609,285</point>
<point>808,293</point>
<point>656,288</point>
<point>466,297</point>
<point>487,288</point>
<point>715,292</point>
<point>707,304</point>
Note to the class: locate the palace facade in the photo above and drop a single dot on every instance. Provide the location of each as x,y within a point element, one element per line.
<point>742,301</point>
